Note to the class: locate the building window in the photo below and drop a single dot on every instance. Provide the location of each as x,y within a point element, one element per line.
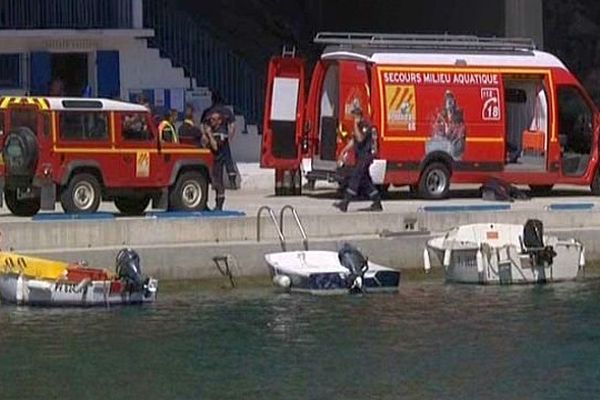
<point>10,71</point>
<point>75,125</point>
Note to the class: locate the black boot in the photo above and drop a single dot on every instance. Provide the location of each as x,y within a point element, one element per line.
<point>219,204</point>
<point>376,206</point>
<point>342,205</point>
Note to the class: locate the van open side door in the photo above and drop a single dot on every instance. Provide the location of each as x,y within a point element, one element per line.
<point>284,114</point>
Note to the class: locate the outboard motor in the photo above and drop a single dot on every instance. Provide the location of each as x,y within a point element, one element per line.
<point>356,263</point>
<point>129,269</point>
<point>533,242</point>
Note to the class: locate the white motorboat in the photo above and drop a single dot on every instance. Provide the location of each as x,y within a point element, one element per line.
<point>329,272</point>
<point>27,280</point>
<point>505,253</point>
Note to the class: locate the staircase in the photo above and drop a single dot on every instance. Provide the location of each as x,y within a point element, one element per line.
<point>190,46</point>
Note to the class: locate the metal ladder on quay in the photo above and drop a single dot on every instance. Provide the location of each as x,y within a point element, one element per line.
<point>279,227</point>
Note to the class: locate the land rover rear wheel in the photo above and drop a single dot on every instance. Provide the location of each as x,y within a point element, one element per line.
<point>21,207</point>
<point>190,192</point>
<point>82,195</point>
<point>132,205</point>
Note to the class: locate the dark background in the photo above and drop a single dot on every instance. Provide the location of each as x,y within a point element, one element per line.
<point>257,29</point>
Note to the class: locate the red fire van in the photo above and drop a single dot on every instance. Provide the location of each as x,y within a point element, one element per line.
<point>457,109</point>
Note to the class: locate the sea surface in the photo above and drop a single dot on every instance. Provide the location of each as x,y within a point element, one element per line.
<point>429,341</point>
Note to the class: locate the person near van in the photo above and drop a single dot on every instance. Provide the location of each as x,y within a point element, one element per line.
<point>222,121</point>
<point>188,126</point>
<point>216,142</point>
<point>360,180</point>
<point>166,128</point>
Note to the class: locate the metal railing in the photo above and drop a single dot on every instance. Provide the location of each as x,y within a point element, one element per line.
<point>279,225</point>
<point>298,223</point>
<point>440,42</point>
<point>271,214</point>
<point>189,45</point>
<point>66,14</point>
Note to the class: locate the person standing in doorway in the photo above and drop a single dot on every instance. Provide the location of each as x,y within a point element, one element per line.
<point>57,87</point>
<point>360,180</point>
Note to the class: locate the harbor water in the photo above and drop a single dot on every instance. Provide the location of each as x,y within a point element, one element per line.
<point>429,341</point>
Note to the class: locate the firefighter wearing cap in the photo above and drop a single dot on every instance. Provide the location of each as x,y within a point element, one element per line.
<point>218,125</point>
<point>363,138</point>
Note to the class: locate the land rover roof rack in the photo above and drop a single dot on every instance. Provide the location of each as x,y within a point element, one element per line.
<point>349,40</point>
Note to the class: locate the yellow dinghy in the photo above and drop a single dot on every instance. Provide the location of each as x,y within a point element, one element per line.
<point>39,268</point>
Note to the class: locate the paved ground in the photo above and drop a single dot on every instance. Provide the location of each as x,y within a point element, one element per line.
<point>258,190</point>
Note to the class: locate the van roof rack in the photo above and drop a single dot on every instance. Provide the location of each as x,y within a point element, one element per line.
<point>424,42</point>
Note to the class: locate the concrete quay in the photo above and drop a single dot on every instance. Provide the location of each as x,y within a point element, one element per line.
<point>183,248</point>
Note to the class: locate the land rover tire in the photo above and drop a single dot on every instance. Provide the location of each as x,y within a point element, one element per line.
<point>132,205</point>
<point>20,152</point>
<point>82,195</point>
<point>21,207</point>
<point>434,183</point>
<point>190,192</point>
<point>595,185</point>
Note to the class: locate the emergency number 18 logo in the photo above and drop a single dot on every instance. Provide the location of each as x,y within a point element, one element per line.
<point>491,104</point>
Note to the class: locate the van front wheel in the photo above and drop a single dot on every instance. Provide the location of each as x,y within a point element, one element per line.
<point>435,181</point>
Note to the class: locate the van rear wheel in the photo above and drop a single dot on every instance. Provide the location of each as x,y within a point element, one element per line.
<point>21,207</point>
<point>435,181</point>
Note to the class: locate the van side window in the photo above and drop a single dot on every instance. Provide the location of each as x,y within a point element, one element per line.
<point>134,127</point>
<point>575,121</point>
<point>83,125</point>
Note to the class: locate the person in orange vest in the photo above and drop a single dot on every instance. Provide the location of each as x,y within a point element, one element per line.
<point>166,128</point>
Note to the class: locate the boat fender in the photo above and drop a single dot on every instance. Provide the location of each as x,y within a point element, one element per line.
<point>83,284</point>
<point>426,261</point>
<point>39,285</point>
<point>582,258</point>
<point>283,281</point>
<point>357,284</point>
<point>447,257</point>
<point>479,261</point>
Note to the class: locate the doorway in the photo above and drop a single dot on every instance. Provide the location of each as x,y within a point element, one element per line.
<point>69,74</point>
<point>328,121</point>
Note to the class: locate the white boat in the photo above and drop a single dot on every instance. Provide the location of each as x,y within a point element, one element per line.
<point>329,272</point>
<point>505,253</point>
<point>32,281</point>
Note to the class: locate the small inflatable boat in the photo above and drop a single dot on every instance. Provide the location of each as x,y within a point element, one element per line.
<point>329,272</point>
<point>34,281</point>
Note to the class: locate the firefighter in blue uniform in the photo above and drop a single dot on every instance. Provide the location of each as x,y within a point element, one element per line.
<point>363,142</point>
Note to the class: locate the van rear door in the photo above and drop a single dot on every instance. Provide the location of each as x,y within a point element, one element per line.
<point>284,114</point>
<point>346,83</point>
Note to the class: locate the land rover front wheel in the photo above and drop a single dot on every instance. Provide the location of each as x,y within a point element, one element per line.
<point>435,181</point>
<point>190,192</point>
<point>21,207</point>
<point>82,195</point>
<point>132,205</point>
